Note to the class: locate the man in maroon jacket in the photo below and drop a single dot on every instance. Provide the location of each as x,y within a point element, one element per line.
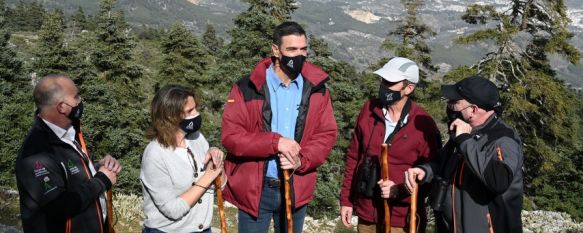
<point>392,118</point>
<point>278,118</point>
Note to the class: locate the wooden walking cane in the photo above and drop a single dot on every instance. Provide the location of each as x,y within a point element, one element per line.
<point>385,176</point>
<point>288,204</point>
<point>413,212</point>
<point>220,203</point>
<point>109,194</point>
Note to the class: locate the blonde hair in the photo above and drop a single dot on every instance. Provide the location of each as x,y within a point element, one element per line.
<point>166,114</point>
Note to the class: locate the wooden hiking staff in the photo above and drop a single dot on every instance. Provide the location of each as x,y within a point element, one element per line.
<point>109,194</point>
<point>413,212</point>
<point>220,204</point>
<point>385,176</point>
<point>288,204</point>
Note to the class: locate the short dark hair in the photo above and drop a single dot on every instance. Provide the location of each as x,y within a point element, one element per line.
<point>286,29</point>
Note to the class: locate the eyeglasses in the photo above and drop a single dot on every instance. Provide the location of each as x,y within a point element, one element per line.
<point>80,100</point>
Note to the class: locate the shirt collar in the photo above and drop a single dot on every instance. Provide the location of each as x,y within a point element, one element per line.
<point>388,119</point>
<point>275,82</point>
<point>68,134</point>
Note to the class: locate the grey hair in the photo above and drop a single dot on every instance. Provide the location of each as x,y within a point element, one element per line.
<point>48,91</point>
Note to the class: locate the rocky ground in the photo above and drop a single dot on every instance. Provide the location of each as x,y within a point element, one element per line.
<point>129,216</point>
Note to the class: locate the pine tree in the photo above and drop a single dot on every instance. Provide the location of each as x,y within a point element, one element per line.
<point>185,60</point>
<point>52,56</point>
<point>283,9</point>
<point>16,110</point>
<point>212,41</point>
<point>409,38</point>
<point>538,104</point>
<point>26,16</point>
<point>113,52</point>
<point>79,20</point>
<point>114,91</point>
<point>251,36</point>
<point>10,66</point>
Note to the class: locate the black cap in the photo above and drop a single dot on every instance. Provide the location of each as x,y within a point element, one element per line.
<point>476,90</point>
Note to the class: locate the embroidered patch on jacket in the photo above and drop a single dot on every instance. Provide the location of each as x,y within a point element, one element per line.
<point>47,185</point>
<point>39,169</point>
<point>72,168</point>
<point>231,101</point>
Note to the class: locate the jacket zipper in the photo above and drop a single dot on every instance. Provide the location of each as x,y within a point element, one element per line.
<point>99,215</point>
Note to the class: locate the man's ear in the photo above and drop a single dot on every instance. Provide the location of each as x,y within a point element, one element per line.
<point>409,89</point>
<point>275,50</point>
<point>60,107</point>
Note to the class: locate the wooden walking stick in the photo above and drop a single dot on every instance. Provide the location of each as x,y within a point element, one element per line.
<point>413,212</point>
<point>109,194</point>
<point>220,204</point>
<point>385,176</point>
<point>288,204</point>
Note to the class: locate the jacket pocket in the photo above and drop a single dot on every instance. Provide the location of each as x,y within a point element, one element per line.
<point>232,168</point>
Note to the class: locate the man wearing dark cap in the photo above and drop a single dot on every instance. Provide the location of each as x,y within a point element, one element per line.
<point>477,184</point>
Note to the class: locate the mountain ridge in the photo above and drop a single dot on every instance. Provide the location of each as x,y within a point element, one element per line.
<point>354,29</point>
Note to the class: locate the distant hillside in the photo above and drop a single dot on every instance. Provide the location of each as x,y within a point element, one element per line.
<point>354,29</point>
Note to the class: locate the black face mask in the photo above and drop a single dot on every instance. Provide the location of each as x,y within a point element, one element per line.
<point>387,96</point>
<point>293,65</point>
<point>191,125</point>
<point>76,112</point>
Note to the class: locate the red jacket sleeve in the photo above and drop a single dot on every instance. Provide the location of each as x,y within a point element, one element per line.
<point>317,146</point>
<point>238,135</point>
<point>350,163</point>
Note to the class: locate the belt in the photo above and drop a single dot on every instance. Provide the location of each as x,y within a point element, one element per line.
<point>272,183</point>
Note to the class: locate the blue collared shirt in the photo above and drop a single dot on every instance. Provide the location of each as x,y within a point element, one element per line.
<point>285,102</point>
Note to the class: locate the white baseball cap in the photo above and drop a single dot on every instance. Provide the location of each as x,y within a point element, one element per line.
<point>398,69</point>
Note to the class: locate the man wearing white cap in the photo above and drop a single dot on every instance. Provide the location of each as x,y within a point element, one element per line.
<point>395,119</point>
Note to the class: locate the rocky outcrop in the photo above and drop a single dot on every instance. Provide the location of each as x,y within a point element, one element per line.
<point>363,16</point>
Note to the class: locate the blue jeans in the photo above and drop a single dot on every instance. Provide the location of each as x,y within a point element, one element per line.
<point>271,206</point>
<point>154,230</point>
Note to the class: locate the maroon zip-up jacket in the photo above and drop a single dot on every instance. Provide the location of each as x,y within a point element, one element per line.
<point>415,143</point>
<point>249,141</point>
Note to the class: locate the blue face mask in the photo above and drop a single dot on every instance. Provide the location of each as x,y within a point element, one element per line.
<point>191,125</point>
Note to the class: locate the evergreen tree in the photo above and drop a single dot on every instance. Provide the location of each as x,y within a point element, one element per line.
<point>52,56</point>
<point>283,9</point>
<point>211,40</point>
<point>185,60</point>
<point>538,104</point>
<point>251,36</point>
<point>112,54</point>
<point>409,38</point>
<point>26,16</point>
<point>16,110</point>
<point>10,66</point>
<point>114,91</point>
<point>79,21</point>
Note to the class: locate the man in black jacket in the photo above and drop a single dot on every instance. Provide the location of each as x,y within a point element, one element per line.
<point>61,188</point>
<point>480,171</point>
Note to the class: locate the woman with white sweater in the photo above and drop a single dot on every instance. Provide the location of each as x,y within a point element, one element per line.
<point>178,167</point>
